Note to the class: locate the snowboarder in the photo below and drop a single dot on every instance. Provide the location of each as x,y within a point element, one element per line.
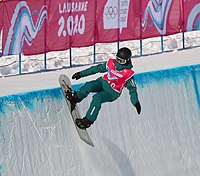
<point>108,87</point>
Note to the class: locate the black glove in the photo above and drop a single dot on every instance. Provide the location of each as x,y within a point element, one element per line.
<point>138,107</point>
<point>76,76</point>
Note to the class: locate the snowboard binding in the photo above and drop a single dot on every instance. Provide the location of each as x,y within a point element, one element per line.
<point>83,123</point>
<point>71,97</point>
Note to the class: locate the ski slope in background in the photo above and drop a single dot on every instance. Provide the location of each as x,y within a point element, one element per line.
<point>38,137</point>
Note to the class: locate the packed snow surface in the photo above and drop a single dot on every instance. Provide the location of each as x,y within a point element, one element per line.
<point>38,137</point>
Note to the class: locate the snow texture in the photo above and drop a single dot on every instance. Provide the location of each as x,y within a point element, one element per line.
<point>38,137</point>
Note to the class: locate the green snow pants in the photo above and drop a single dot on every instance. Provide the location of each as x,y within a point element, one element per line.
<point>104,93</point>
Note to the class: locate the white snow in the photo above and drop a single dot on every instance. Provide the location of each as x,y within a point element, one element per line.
<point>37,136</point>
<point>46,80</point>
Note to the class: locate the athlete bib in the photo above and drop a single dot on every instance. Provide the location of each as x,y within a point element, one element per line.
<point>117,79</point>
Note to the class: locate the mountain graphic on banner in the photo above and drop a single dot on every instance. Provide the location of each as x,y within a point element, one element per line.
<point>194,18</point>
<point>158,12</point>
<point>22,28</point>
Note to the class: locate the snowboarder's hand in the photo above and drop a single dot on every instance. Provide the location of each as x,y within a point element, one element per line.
<point>138,107</point>
<point>76,76</point>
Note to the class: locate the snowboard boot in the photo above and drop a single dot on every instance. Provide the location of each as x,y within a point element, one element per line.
<point>83,123</point>
<point>72,97</point>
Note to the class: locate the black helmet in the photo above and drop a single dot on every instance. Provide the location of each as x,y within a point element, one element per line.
<point>123,55</point>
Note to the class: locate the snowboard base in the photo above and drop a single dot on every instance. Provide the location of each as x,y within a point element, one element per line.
<point>66,86</point>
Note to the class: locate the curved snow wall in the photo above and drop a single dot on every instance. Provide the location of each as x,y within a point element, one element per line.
<point>38,137</point>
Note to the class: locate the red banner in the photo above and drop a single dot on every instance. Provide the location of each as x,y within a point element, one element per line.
<point>24,29</point>
<point>57,25</point>
<point>70,24</point>
<point>118,20</point>
<point>160,18</point>
<point>33,28</point>
<point>1,16</point>
<point>191,11</point>
<point>1,24</point>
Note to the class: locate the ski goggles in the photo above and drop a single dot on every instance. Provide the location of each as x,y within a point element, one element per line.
<point>122,61</point>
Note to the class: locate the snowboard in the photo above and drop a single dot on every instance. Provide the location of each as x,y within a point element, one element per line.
<point>66,86</point>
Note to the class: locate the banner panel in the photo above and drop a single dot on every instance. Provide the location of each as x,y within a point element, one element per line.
<point>34,28</point>
<point>160,18</point>
<point>24,27</point>
<point>191,15</point>
<point>1,15</point>
<point>52,25</point>
<point>118,20</point>
<point>70,24</point>
<point>1,26</point>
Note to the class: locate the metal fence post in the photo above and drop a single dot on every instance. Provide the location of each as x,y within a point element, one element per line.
<point>162,45</point>
<point>140,47</point>
<point>20,64</point>
<point>94,50</point>
<point>94,33</point>
<point>45,60</point>
<point>140,28</point>
<point>117,46</point>
<point>45,40</point>
<point>70,57</point>
<point>183,39</point>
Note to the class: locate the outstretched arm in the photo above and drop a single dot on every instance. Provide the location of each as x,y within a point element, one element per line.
<point>133,94</point>
<point>100,68</point>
